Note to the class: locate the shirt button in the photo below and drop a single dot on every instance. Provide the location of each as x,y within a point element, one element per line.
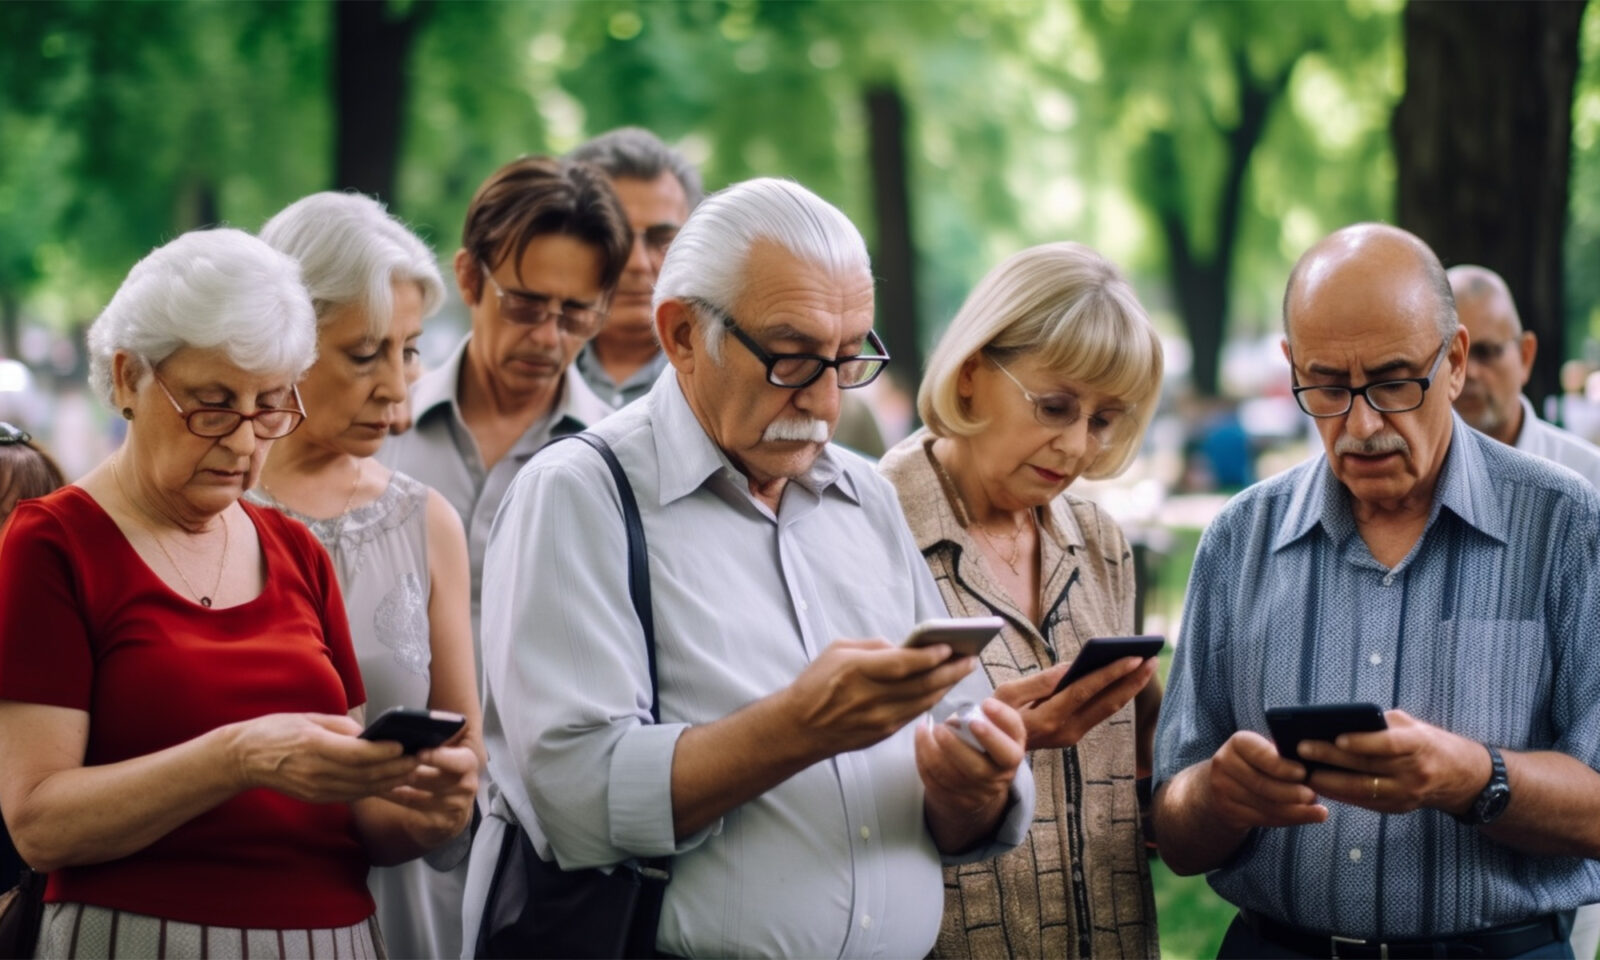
<point>1355,854</point>
<point>866,834</point>
<point>1388,580</point>
<point>1375,659</point>
<point>803,607</point>
<point>866,922</point>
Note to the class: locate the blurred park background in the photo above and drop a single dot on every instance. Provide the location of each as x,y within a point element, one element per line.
<point>1203,146</point>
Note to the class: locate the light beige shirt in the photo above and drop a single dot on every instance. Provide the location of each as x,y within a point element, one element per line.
<point>1079,885</point>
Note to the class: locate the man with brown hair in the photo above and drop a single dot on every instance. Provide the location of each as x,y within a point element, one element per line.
<point>544,244</point>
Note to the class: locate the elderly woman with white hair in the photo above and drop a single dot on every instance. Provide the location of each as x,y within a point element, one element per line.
<point>1049,372</point>
<point>177,682</point>
<point>397,545</point>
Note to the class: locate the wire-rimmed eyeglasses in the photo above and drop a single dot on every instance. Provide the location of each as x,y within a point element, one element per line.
<point>527,308</point>
<point>269,423</point>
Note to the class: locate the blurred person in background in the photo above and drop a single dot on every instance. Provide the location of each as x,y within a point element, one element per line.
<point>25,472</point>
<point>658,188</point>
<point>397,546</point>
<point>179,697</point>
<point>544,244</point>
<point>1499,363</point>
<point>1050,371</point>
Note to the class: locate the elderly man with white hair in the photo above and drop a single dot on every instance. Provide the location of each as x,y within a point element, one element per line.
<point>804,813</point>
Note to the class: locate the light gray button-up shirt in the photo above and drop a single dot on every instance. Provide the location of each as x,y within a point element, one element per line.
<point>834,862</point>
<point>1557,445</point>
<point>441,452</point>
<point>618,394</point>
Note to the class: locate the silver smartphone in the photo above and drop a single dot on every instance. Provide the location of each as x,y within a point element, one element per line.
<point>967,636</point>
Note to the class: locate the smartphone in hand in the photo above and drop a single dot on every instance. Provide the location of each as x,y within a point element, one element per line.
<point>967,636</point>
<point>1321,721</point>
<point>1104,651</point>
<point>415,729</point>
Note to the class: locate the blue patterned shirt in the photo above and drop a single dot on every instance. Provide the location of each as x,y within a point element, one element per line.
<point>1489,628</point>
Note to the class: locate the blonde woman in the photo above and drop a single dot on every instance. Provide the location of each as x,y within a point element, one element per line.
<point>1049,372</point>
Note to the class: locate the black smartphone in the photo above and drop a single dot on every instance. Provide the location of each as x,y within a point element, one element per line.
<point>1321,721</point>
<point>414,729</point>
<point>1104,651</point>
<point>967,636</point>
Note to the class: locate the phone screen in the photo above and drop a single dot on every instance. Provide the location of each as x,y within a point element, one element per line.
<point>1103,651</point>
<point>1321,721</point>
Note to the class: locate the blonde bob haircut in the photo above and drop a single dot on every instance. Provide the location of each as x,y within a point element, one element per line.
<point>1072,310</point>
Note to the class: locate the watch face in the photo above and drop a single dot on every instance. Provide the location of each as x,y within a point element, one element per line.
<point>1493,802</point>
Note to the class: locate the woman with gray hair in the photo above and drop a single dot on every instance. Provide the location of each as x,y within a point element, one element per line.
<point>397,545</point>
<point>177,746</point>
<point>1049,372</point>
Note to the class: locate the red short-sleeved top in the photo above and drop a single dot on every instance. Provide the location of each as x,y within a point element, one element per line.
<point>85,624</point>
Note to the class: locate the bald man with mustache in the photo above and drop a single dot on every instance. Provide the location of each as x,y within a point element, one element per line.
<point>1420,566</point>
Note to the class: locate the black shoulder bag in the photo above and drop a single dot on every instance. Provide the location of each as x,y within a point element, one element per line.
<point>536,909</point>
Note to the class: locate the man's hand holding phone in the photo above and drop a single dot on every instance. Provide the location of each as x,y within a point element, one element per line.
<point>1060,705</point>
<point>1407,766</point>
<point>1251,786</point>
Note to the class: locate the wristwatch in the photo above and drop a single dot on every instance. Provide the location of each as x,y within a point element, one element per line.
<point>1494,798</point>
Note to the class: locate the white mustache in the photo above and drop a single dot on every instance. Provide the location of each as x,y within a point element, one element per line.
<point>805,430</point>
<point>1372,446</point>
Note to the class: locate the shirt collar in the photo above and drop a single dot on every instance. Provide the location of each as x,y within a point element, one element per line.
<point>1319,497</point>
<point>577,406</point>
<point>687,457</point>
<point>438,386</point>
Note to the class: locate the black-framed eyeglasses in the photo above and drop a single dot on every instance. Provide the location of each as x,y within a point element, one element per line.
<point>10,434</point>
<point>1058,411</point>
<point>269,423</point>
<point>796,370</point>
<point>1384,396</point>
<point>527,308</point>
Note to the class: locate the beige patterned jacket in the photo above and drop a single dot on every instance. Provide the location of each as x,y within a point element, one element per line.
<point>1079,886</point>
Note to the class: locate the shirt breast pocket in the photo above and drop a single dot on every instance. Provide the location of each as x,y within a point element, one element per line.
<point>1491,681</point>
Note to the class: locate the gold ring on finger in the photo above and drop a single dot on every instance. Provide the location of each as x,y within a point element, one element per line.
<point>1374,788</point>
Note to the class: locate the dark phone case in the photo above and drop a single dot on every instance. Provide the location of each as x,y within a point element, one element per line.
<point>1104,651</point>
<point>414,729</point>
<point>1321,721</point>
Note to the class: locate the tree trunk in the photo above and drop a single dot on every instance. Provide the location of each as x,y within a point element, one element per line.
<point>371,44</point>
<point>1483,142</point>
<point>10,324</point>
<point>895,260</point>
<point>1200,282</point>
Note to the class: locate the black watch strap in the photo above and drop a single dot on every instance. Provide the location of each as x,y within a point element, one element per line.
<point>1492,801</point>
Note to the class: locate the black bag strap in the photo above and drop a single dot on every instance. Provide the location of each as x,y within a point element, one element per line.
<point>638,560</point>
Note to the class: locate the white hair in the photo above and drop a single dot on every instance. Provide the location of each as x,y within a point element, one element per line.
<point>351,251</point>
<point>707,259</point>
<point>211,290</point>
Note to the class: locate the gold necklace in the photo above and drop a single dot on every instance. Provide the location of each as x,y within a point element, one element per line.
<point>1015,542</point>
<point>970,521</point>
<point>222,565</point>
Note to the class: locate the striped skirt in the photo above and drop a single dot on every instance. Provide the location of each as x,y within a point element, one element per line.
<point>73,930</point>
